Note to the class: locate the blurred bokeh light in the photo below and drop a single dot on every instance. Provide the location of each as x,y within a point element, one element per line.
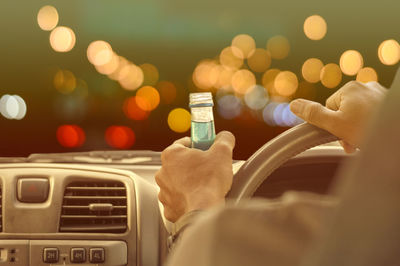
<point>315,27</point>
<point>351,61</point>
<point>179,120</point>
<point>120,137</point>
<point>62,39</point>
<point>47,18</point>
<point>12,107</point>
<point>245,45</point>
<point>389,52</point>
<point>331,75</point>
<point>278,47</point>
<point>286,83</point>
<point>133,111</point>
<point>260,60</point>
<point>311,70</point>
<point>70,136</point>
<point>367,74</point>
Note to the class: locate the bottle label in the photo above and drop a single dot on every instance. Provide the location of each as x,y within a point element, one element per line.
<point>202,114</point>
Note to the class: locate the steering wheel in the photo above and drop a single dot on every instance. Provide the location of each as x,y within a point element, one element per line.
<point>272,155</point>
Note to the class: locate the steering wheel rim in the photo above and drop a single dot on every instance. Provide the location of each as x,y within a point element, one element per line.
<point>272,155</point>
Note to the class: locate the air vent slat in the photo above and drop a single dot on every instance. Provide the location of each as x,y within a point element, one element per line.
<point>79,215</point>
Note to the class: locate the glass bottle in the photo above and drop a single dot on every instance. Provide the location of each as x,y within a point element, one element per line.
<point>202,128</point>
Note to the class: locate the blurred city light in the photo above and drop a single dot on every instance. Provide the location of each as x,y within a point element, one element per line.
<point>331,75</point>
<point>229,106</point>
<point>351,62</point>
<point>70,136</point>
<point>99,53</point>
<point>228,58</point>
<point>47,18</point>
<point>205,75</point>
<point>268,80</point>
<point>179,120</point>
<point>116,74</point>
<point>133,111</point>
<point>151,97</point>
<point>278,47</point>
<point>120,137</point>
<point>260,60</point>
<point>311,70</point>
<point>286,83</point>
<point>12,107</point>
<point>256,98</point>
<point>245,45</point>
<point>62,39</point>
<point>315,27</point>
<point>167,91</point>
<point>268,113</point>
<point>389,52</point>
<point>131,77</point>
<point>150,74</point>
<point>110,67</point>
<point>243,80</point>
<point>367,74</point>
<point>64,81</point>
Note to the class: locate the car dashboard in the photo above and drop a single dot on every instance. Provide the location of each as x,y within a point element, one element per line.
<point>72,209</point>
<point>62,214</point>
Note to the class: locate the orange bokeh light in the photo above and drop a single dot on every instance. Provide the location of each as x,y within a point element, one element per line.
<point>70,136</point>
<point>151,96</point>
<point>133,111</point>
<point>167,90</point>
<point>120,137</point>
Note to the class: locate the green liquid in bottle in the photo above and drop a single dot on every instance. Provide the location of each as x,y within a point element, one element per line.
<point>203,135</point>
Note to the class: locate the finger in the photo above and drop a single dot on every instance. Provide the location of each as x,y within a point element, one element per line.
<point>314,113</point>
<point>186,141</point>
<point>348,148</point>
<point>224,140</point>
<point>333,102</point>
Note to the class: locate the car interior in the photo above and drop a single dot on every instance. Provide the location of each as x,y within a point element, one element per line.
<point>91,92</point>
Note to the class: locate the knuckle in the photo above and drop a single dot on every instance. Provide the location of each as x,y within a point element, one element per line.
<point>223,148</point>
<point>169,215</point>
<point>311,111</point>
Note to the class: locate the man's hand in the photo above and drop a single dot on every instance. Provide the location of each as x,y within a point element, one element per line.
<point>346,111</point>
<point>192,179</point>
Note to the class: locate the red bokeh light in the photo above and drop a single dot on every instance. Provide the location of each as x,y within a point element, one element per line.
<point>133,111</point>
<point>120,137</point>
<point>70,136</point>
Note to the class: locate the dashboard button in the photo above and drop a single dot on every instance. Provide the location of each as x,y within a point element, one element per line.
<point>33,190</point>
<point>78,255</point>
<point>50,255</point>
<point>96,255</point>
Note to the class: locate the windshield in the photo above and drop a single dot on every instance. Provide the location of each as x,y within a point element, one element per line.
<point>116,75</point>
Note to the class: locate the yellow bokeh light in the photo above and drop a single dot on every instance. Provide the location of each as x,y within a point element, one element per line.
<point>331,76</point>
<point>99,53</point>
<point>245,45</point>
<point>228,58</point>
<point>351,62</point>
<point>286,83</point>
<point>206,74</point>
<point>311,70</point>
<point>260,60</point>
<point>268,80</point>
<point>62,39</point>
<point>130,77</point>
<point>243,80</point>
<point>278,47</point>
<point>179,120</point>
<point>150,73</point>
<point>225,77</point>
<point>389,52</point>
<point>367,74</point>
<point>152,97</point>
<point>110,67</point>
<point>47,18</point>
<point>315,27</point>
<point>64,81</point>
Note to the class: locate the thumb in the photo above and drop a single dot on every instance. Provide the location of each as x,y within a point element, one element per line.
<point>224,140</point>
<point>314,113</point>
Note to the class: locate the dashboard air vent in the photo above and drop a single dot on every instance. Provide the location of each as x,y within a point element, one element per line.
<point>94,206</point>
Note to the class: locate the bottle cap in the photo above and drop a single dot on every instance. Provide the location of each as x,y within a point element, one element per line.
<point>200,99</point>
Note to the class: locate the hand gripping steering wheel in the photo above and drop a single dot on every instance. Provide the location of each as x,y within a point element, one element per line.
<point>272,155</point>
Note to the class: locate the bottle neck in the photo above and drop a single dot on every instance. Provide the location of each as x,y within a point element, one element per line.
<point>202,114</point>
